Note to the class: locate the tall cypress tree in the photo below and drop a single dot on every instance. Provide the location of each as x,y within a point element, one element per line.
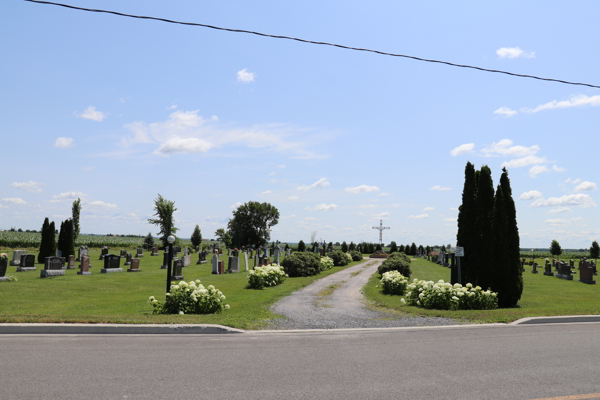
<point>484,239</point>
<point>65,238</point>
<point>61,238</point>
<point>515,276</point>
<point>499,260</point>
<point>467,218</point>
<point>45,242</point>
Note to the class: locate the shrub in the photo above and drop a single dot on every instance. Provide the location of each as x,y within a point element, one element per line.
<point>339,258</point>
<point>326,263</point>
<point>269,275</point>
<point>356,255</point>
<point>394,282</point>
<point>379,254</point>
<point>349,257</point>
<point>445,296</point>
<point>396,262</point>
<point>190,298</point>
<point>301,264</point>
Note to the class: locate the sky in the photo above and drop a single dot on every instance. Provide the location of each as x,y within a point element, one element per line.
<point>116,110</point>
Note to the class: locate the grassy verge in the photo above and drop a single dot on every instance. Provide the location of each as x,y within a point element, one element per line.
<point>122,297</point>
<point>542,296</point>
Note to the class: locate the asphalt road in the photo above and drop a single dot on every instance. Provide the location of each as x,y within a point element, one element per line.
<point>458,362</point>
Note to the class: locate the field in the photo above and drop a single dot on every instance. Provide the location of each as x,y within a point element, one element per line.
<point>542,296</point>
<point>122,297</point>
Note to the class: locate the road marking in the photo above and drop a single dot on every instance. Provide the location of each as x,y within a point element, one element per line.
<point>574,397</point>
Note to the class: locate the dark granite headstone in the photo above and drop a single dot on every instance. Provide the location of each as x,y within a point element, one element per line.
<point>26,263</point>
<point>3,266</point>
<point>128,259</point>
<point>139,253</point>
<point>112,263</point>
<point>165,262</point>
<point>53,266</point>
<point>177,271</point>
<point>548,269</point>
<point>586,274</point>
<point>202,257</point>
<point>122,253</point>
<point>103,252</point>
<point>564,271</point>
<point>154,251</point>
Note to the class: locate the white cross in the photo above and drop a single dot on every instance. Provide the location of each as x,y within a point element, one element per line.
<point>381,228</point>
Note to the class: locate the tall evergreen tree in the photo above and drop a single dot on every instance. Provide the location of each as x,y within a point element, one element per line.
<point>484,240</point>
<point>76,210</point>
<point>65,238</point>
<point>148,241</point>
<point>515,276</point>
<point>401,249</point>
<point>413,249</point>
<point>352,246</point>
<point>555,249</point>
<point>47,242</point>
<point>196,236</point>
<point>467,217</point>
<point>497,276</point>
<point>301,246</point>
<point>594,250</point>
<point>393,247</point>
<point>344,247</point>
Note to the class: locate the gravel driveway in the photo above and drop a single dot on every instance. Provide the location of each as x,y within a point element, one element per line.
<point>336,302</point>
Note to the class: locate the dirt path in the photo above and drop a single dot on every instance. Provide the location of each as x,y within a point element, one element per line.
<point>336,302</point>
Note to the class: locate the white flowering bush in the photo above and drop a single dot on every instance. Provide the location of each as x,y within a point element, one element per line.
<point>445,296</point>
<point>269,275</point>
<point>326,263</point>
<point>393,282</point>
<point>190,298</point>
<point>349,257</point>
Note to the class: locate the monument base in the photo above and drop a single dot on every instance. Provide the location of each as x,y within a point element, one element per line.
<point>154,254</point>
<point>25,269</point>
<point>163,267</point>
<point>45,273</point>
<point>84,273</point>
<point>201,262</point>
<point>71,267</point>
<point>549,273</point>
<point>589,282</point>
<point>3,278</point>
<point>133,270</point>
<point>177,277</point>
<point>109,270</point>
<point>564,276</point>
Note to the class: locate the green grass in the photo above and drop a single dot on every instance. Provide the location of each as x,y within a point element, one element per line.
<point>542,296</point>
<point>122,297</point>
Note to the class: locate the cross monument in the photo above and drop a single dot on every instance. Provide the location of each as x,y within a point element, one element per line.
<point>381,228</point>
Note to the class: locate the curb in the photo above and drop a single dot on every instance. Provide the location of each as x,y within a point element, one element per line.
<point>557,320</point>
<point>113,329</point>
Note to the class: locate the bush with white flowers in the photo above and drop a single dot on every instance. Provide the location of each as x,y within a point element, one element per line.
<point>190,298</point>
<point>349,257</point>
<point>326,263</point>
<point>269,275</point>
<point>445,296</point>
<point>394,282</point>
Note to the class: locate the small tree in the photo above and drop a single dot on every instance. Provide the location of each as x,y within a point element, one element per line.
<point>344,247</point>
<point>393,247</point>
<point>149,241</point>
<point>413,249</point>
<point>555,249</point>
<point>196,237</point>
<point>401,249</point>
<point>378,248</point>
<point>224,236</point>
<point>163,211</point>
<point>48,242</point>
<point>594,250</point>
<point>301,246</point>
<point>76,210</point>
<point>352,246</point>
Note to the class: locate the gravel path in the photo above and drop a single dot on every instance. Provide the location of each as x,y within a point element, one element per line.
<point>317,307</point>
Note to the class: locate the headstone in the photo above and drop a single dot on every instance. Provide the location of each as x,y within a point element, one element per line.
<point>245,261</point>
<point>322,252</point>
<point>26,263</point>
<point>523,264</point>
<point>128,258</point>
<point>165,263</point>
<point>256,261</point>
<point>154,251</point>
<point>177,271</point>
<point>122,253</point>
<point>548,268</point>
<point>112,263</point>
<point>135,264</point>
<point>186,251</point>
<point>16,257</point>
<point>233,264</point>
<point>71,262</point>
<point>201,257</point>
<point>84,266</point>
<point>187,260</point>
<point>564,271</point>
<point>139,253</point>
<point>587,273</point>
<point>83,251</point>
<point>266,251</point>
<point>58,253</point>
<point>3,267</point>
<point>104,252</point>
<point>534,268</point>
<point>276,255</point>
<point>177,249</point>
<point>215,264</point>
<point>221,267</point>
<point>594,270</point>
<point>53,266</point>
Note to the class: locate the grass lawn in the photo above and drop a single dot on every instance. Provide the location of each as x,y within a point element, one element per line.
<point>122,297</point>
<point>542,296</point>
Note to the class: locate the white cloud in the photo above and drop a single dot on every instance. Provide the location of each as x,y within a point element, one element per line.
<point>450,219</point>
<point>567,221</point>
<point>514,52</point>
<point>453,208</point>
<point>236,205</point>
<point>14,200</point>
<point>293,198</point>
<point>575,101</point>
<point>281,166</point>
<point>244,76</point>
<point>578,199</point>
<point>573,181</point>
<point>382,215</point>
<point>100,204</point>
<point>367,206</point>
<point>524,161</point>
<point>67,196</point>
<point>532,194</point>
<point>556,168</point>
<point>289,216</point>
<point>328,227</point>
<point>272,174</point>
<point>88,169</point>
<point>429,209</point>
<point>183,145</point>
<point>64,142</point>
<point>214,118</point>
<point>507,112</point>
<point>505,148</point>
<point>420,216</point>
<point>584,186</point>
<point>536,170</point>
<point>384,194</point>
<point>31,186</point>
<point>266,192</point>
<point>321,183</point>
<point>439,188</point>
<point>559,210</point>
<point>92,114</point>
<point>173,107</point>
<point>362,189</point>
<point>325,207</point>
<point>463,149</point>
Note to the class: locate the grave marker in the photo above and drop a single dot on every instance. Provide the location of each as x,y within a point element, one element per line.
<point>177,269</point>
<point>3,267</point>
<point>233,264</point>
<point>84,265</point>
<point>83,251</point>
<point>104,252</point>
<point>135,264</point>
<point>564,271</point>
<point>26,263</point>
<point>53,266</point>
<point>112,263</point>
<point>215,264</point>
<point>202,257</point>
<point>154,251</point>
<point>245,261</point>
<point>548,268</point>
<point>128,258</point>
<point>187,260</point>
<point>139,253</point>
<point>165,263</point>
<point>71,262</point>
<point>16,257</point>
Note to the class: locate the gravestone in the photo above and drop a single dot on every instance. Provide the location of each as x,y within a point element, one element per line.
<point>256,261</point>
<point>135,264</point>
<point>215,264</point>
<point>186,251</point>
<point>3,268</point>
<point>165,262</point>
<point>187,260</point>
<point>71,262</point>
<point>128,258</point>
<point>534,268</point>
<point>139,253</point>
<point>83,251</point>
<point>245,261</point>
<point>594,270</point>
<point>564,271</point>
<point>103,252</point>
<point>177,271</point>
<point>221,267</point>
<point>266,251</point>
<point>523,264</point>
<point>586,274</point>
<point>26,263</point>
<point>233,264</point>
<point>202,257</point>
<point>122,253</point>
<point>276,255</point>
<point>53,266</point>
<point>288,252</point>
<point>176,249</point>
<point>84,266</point>
<point>154,251</point>
<point>112,263</point>
<point>548,268</point>
<point>16,257</point>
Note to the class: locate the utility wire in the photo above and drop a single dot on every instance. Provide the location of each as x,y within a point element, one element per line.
<point>314,42</point>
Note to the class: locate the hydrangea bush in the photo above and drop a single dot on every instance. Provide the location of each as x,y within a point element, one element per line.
<point>190,298</point>
<point>326,263</point>
<point>445,296</point>
<point>349,257</point>
<point>394,282</point>
<point>269,275</point>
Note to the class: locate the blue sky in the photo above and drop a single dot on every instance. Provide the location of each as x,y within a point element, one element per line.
<point>115,110</point>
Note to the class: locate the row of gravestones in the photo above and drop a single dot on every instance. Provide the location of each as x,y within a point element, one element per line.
<point>564,270</point>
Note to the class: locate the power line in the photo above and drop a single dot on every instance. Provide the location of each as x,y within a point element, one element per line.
<point>314,42</point>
